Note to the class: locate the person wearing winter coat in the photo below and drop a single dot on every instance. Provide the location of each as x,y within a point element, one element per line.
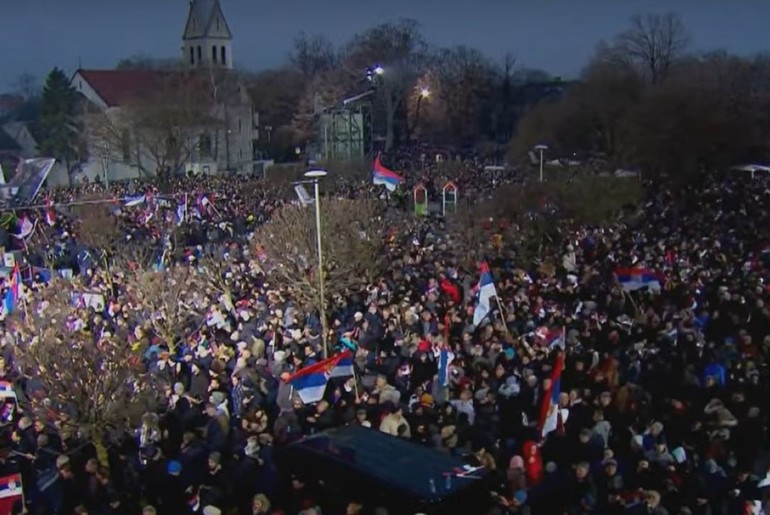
<point>395,424</point>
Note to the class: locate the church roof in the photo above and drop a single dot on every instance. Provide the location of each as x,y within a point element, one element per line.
<point>202,15</point>
<point>117,87</point>
<point>122,87</point>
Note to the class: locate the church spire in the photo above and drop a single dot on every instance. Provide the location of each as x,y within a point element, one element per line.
<point>207,40</point>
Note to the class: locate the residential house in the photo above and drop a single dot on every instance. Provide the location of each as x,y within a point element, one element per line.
<point>10,103</point>
<point>9,152</point>
<point>16,143</point>
<point>20,133</point>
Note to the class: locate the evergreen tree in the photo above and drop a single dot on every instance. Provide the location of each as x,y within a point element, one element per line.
<point>59,129</point>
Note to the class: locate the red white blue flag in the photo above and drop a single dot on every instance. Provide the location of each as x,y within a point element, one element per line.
<point>11,493</point>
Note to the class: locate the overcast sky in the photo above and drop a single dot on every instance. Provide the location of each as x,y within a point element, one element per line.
<point>555,35</point>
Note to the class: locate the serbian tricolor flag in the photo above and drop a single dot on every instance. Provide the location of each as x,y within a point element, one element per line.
<point>25,227</point>
<point>11,299</point>
<point>310,382</point>
<point>135,200</point>
<point>636,278</point>
<point>181,212</point>
<point>384,176</point>
<point>445,358</point>
<point>551,338</point>
<point>486,291</point>
<point>203,204</point>
<point>549,412</point>
<point>11,494</point>
<point>50,214</point>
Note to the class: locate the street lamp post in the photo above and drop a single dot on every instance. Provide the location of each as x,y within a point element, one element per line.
<point>541,149</point>
<point>315,176</point>
<point>424,93</point>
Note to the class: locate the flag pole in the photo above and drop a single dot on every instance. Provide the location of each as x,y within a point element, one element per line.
<point>633,303</point>
<point>502,314</point>
<point>355,382</point>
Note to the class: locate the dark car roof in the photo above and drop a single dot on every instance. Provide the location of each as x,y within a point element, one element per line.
<point>391,461</point>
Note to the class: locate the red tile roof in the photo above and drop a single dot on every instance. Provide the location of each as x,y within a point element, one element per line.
<point>9,102</point>
<point>117,87</point>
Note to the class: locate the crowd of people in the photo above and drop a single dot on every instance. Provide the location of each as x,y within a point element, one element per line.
<point>661,405</point>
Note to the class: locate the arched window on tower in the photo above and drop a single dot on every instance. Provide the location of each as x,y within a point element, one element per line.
<point>192,56</point>
<point>214,54</point>
<point>200,54</point>
<point>223,55</point>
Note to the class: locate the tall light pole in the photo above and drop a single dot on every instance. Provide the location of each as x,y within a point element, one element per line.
<point>315,175</point>
<point>424,93</point>
<point>541,149</point>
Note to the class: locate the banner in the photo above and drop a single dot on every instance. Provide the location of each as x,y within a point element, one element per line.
<point>30,175</point>
<point>88,300</point>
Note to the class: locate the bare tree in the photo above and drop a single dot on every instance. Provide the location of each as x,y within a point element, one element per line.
<point>90,374</point>
<point>276,94</point>
<point>352,235</point>
<point>313,54</point>
<point>531,219</point>
<point>653,43</point>
<point>463,77</point>
<point>28,86</point>
<point>323,91</point>
<point>400,49</point>
<point>96,226</point>
<point>165,300</point>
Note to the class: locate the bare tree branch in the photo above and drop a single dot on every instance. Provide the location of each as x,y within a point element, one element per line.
<point>653,43</point>
<point>84,371</point>
<point>352,245</point>
<point>165,301</point>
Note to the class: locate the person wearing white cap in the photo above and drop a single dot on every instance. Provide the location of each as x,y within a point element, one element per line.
<point>211,510</point>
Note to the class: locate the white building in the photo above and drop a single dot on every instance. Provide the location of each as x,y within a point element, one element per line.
<point>227,142</point>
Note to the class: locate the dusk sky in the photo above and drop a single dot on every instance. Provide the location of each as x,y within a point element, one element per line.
<point>555,35</point>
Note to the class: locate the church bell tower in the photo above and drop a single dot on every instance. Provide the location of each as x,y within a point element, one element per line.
<point>207,40</point>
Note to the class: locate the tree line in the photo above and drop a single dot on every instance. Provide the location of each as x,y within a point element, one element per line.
<point>643,100</point>
<point>456,96</point>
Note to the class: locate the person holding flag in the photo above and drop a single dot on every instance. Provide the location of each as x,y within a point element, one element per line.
<point>485,291</point>
<point>550,414</point>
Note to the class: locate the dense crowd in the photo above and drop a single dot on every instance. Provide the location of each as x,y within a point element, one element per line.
<point>662,404</point>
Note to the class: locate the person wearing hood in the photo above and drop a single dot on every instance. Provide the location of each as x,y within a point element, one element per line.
<point>533,462</point>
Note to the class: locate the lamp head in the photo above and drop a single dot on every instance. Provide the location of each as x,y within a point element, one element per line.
<point>316,173</point>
